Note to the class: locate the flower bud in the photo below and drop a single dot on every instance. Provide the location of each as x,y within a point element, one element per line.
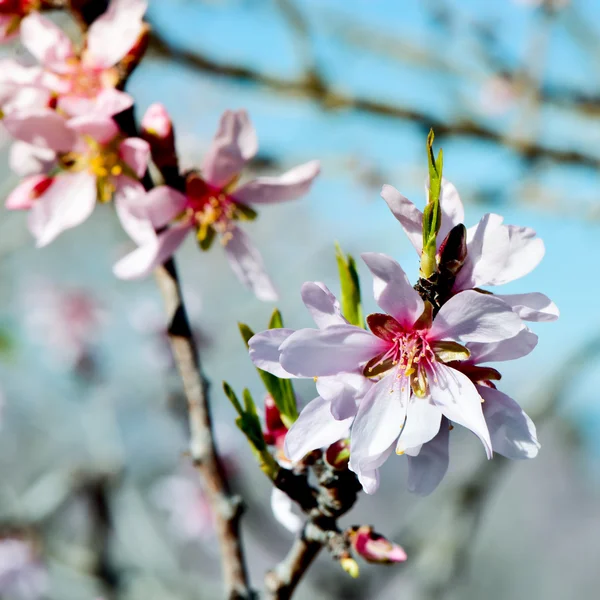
<point>373,547</point>
<point>275,430</point>
<point>157,130</point>
<point>338,455</point>
<point>350,566</point>
<point>453,250</point>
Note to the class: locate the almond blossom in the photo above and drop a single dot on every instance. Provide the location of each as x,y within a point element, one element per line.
<point>90,160</point>
<point>407,354</point>
<point>496,253</point>
<point>85,82</point>
<point>212,204</point>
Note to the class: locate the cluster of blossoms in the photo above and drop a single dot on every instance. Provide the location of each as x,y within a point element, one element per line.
<point>421,364</point>
<point>66,117</point>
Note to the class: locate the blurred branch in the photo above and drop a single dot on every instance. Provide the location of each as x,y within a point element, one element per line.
<point>331,99</point>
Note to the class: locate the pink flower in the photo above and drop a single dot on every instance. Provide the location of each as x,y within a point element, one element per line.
<point>496,253</point>
<point>406,355</point>
<point>373,547</point>
<point>11,13</point>
<point>92,160</point>
<point>212,204</point>
<point>85,84</point>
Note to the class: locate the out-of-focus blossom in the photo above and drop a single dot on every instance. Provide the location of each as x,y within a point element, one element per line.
<point>66,321</point>
<point>284,510</point>
<point>11,14</point>
<point>373,547</point>
<point>496,253</point>
<point>212,204</point>
<point>22,575</point>
<point>85,84</point>
<point>22,87</point>
<point>157,130</point>
<point>90,160</point>
<point>497,95</point>
<point>407,354</point>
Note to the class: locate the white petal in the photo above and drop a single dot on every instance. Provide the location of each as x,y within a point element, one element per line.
<point>264,350</point>
<point>393,291</point>
<point>512,432</point>
<point>475,317</point>
<point>323,306</point>
<point>516,347</point>
<point>459,401</point>
<point>283,511</point>
<point>452,209</point>
<point>422,423</point>
<point>532,307</point>
<point>344,392</point>
<point>26,159</point>
<point>409,216</point>
<point>314,428</point>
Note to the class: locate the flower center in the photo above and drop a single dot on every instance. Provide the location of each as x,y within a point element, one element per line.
<point>87,82</point>
<point>213,210</point>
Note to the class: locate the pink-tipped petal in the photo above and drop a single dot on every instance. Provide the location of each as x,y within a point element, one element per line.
<point>532,307</point>
<point>247,263</point>
<point>524,254</point>
<point>423,419</point>
<point>234,144</point>
<point>136,153</point>
<point>459,401</point>
<point>270,190</point>
<point>378,422</point>
<point>409,216</point>
<point>264,351</point>
<point>101,129</point>
<point>42,127</point>
<point>47,42</point>
<point>393,291</point>
<point>115,33</point>
<point>487,253</point>
<point>25,159</point>
<point>323,306</point>
<point>142,261</point>
<point>516,347</point>
<point>68,202</point>
<point>315,428</point>
<point>27,192</point>
<point>451,208</point>
<point>427,469</point>
<point>336,349</point>
<point>474,317</point>
<point>512,432</point>
<point>107,103</point>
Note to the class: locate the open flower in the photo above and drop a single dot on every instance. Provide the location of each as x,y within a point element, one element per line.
<point>496,253</point>
<point>212,205</point>
<point>90,160</point>
<point>406,354</point>
<point>85,83</point>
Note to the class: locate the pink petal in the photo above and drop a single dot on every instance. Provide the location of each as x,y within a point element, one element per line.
<point>459,401</point>
<point>136,153</point>
<point>248,265</point>
<point>474,317</point>
<point>516,347</point>
<point>162,205</point>
<point>264,350</point>
<point>323,306</point>
<point>512,432</point>
<point>68,202</point>
<point>426,470</point>
<point>422,424</point>
<point>336,349</point>
<point>27,192</point>
<point>107,103</point>
<point>152,254</point>
<point>47,42</point>
<point>101,129</point>
<point>42,127</point>
<point>531,307</point>
<point>409,216</point>
<point>378,422</point>
<point>289,186</point>
<point>315,428</point>
<point>115,33</point>
<point>128,195</point>
<point>7,32</point>
<point>487,253</point>
<point>452,209</point>
<point>25,159</point>
<point>393,291</point>
<point>157,122</point>
<point>524,254</point>
<point>234,144</point>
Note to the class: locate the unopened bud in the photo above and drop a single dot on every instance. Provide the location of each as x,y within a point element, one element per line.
<point>453,250</point>
<point>157,130</point>
<point>275,430</point>
<point>373,547</point>
<point>338,455</point>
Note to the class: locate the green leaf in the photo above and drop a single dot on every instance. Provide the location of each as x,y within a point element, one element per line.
<point>233,398</point>
<point>246,332</point>
<point>276,321</point>
<point>350,286</point>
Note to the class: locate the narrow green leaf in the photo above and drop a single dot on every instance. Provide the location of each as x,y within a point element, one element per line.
<point>276,321</point>
<point>233,398</point>
<point>246,332</point>
<point>350,287</point>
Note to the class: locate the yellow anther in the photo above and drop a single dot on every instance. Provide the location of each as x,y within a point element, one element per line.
<point>116,170</point>
<point>315,379</point>
<point>399,452</point>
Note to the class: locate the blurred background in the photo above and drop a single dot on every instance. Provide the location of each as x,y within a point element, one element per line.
<point>96,497</point>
